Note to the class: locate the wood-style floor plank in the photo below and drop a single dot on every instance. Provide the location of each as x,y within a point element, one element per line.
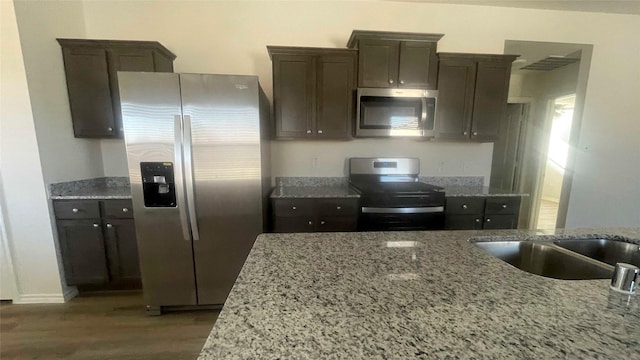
<point>104,326</point>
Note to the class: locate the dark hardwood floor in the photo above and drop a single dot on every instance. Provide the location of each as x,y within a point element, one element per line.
<point>101,326</point>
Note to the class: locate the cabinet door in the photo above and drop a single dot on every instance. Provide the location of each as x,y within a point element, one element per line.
<point>334,223</point>
<point>294,95</point>
<point>336,85</point>
<point>378,63</point>
<point>89,90</point>
<point>490,99</point>
<point>500,222</point>
<point>126,59</point>
<point>456,82</point>
<point>83,251</point>
<point>463,222</point>
<point>418,65</point>
<point>293,224</point>
<point>122,249</point>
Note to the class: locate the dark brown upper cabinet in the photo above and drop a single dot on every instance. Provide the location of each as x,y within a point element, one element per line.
<point>393,59</point>
<point>472,96</point>
<point>313,92</point>
<point>91,68</point>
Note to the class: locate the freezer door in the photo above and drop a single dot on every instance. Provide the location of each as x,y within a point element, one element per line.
<point>152,119</point>
<point>222,113</point>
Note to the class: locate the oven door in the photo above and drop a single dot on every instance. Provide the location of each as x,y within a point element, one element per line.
<point>395,112</point>
<point>401,218</point>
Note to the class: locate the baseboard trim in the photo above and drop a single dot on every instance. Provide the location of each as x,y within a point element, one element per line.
<point>69,294</point>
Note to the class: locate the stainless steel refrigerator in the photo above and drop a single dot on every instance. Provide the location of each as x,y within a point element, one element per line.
<point>198,157</point>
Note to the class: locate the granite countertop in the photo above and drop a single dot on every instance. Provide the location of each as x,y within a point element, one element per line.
<point>416,295</point>
<point>98,188</point>
<point>477,190</point>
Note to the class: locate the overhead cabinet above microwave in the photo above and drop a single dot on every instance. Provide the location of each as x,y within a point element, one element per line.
<point>313,92</point>
<point>396,59</point>
<point>472,96</point>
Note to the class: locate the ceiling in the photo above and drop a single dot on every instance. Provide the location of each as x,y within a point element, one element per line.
<point>601,6</point>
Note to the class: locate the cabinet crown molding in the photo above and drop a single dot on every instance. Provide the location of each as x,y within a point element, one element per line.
<point>312,51</point>
<point>358,35</point>
<point>117,43</point>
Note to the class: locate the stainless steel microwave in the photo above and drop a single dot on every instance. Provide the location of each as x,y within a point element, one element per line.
<point>395,112</point>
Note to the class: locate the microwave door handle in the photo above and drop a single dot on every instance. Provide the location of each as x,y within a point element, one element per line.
<point>424,110</point>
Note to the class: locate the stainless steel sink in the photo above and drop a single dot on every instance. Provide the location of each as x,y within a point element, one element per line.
<point>608,251</point>
<point>547,259</point>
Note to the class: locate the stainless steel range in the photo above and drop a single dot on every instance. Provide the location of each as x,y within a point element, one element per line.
<point>391,196</point>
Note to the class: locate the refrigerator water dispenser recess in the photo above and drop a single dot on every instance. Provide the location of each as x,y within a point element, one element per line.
<point>158,184</point>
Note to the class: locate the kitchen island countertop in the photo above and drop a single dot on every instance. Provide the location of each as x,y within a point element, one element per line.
<point>417,295</point>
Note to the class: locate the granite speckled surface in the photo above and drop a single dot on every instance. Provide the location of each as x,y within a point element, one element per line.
<point>422,295</point>
<point>471,190</point>
<point>453,180</point>
<point>312,187</point>
<point>98,188</point>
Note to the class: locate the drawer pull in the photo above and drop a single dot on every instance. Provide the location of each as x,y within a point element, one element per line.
<point>109,226</point>
<point>464,206</point>
<point>477,220</point>
<point>125,210</point>
<point>338,207</point>
<point>294,208</point>
<point>310,223</point>
<point>75,210</point>
<point>504,206</point>
<point>95,225</point>
<point>488,220</point>
<point>322,222</point>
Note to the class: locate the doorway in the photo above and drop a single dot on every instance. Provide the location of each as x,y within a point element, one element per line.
<point>553,171</point>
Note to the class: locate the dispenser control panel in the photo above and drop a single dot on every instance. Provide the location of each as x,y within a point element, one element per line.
<point>158,184</point>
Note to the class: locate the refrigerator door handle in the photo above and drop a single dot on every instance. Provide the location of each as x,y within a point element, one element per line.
<point>180,196</point>
<point>188,178</point>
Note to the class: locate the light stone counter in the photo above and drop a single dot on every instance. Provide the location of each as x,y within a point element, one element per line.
<point>419,295</point>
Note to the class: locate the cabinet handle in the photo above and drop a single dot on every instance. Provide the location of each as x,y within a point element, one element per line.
<point>465,133</point>
<point>95,225</point>
<point>338,207</point>
<point>475,133</point>
<point>319,131</point>
<point>401,81</point>
<point>464,206</point>
<point>310,223</point>
<point>322,222</point>
<point>294,208</point>
<point>488,220</point>
<point>477,220</point>
<point>125,210</point>
<point>504,206</point>
<point>308,131</point>
<point>75,210</point>
<point>109,129</point>
<point>390,81</point>
<point>109,226</point>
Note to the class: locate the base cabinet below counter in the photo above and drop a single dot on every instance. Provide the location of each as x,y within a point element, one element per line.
<point>98,242</point>
<point>315,214</point>
<point>482,212</point>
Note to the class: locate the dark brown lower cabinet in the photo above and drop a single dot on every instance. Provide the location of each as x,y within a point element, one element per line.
<point>98,251</point>
<point>481,212</point>
<point>315,214</point>
<point>83,251</point>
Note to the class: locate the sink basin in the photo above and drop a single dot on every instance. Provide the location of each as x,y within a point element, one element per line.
<point>608,251</point>
<point>547,259</point>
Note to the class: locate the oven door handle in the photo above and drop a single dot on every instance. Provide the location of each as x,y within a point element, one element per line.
<point>402,210</point>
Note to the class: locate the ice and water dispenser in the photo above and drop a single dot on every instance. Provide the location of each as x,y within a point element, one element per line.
<point>158,184</point>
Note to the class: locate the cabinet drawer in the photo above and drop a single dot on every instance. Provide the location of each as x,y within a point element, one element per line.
<point>336,207</point>
<point>463,222</point>
<point>500,222</point>
<point>502,205</point>
<point>329,223</point>
<point>77,209</point>
<point>293,207</point>
<point>293,224</point>
<point>465,205</point>
<point>117,209</point>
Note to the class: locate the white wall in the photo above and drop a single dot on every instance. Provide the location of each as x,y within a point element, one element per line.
<point>63,157</point>
<point>22,188</point>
